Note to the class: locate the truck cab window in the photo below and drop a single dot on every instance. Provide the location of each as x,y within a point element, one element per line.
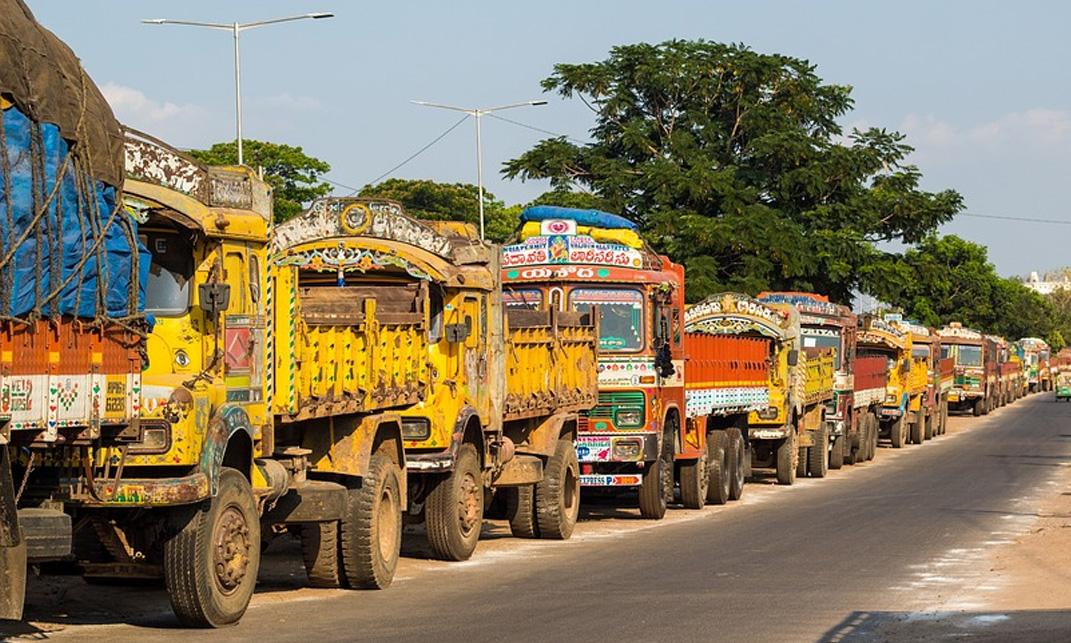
<point>167,294</point>
<point>435,316</point>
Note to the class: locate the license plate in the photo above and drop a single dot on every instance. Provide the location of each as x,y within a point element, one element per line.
<point>616,480</point>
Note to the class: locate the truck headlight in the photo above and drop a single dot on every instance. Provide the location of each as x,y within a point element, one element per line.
<point>628,417</point>
<point>769,413</point>
<point>629,449</point>
<point>155,439</point>
<point>416,428</point>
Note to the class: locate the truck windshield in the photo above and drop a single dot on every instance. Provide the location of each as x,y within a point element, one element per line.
<point>620,315</point>
<point>528,298</point>
<point>168,290</point>
<point>823,338</point>
<point>969,356</point>
<point>920,352</point>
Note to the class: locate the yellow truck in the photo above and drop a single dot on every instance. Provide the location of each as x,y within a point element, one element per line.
<point>907,382</point>
<point>488,397</point>
<point>790,435</point>
<point>923,405</point>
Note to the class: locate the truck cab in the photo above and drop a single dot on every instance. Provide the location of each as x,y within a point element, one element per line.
<point>633,436</point>
<point>966,347</point>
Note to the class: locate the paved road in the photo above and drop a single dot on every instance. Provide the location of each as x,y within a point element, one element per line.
<point>886,550</point>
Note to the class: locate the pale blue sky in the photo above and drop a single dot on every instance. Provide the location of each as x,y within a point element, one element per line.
<point>981,88</point>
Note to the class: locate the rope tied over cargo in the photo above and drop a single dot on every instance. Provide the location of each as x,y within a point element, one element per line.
<point>67,232</point>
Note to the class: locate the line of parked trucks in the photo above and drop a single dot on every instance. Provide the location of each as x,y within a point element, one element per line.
<point>182,380</point>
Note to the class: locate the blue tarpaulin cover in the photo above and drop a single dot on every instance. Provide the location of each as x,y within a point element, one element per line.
<point>64,242</point>
<point>594,218</point>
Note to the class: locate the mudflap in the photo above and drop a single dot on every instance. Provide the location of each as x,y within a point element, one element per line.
<point>12,546</point>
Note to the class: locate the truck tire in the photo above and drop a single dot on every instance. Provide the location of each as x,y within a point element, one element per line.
<point>917,428</point>
<point>836,452</point>
<point>818,455</point>
<point>801,462</point>
<point>898,433</point>
<point>211,564</point>
<point>738,465</point>
<point>987,405</point>
<point>944,417</point>
<point>695,482</point>
<point>787,454</point>
<point>371,527</point>
<point>520,511</point>
<point>557,496</point>
<point>719,468</point>
<point>656,490</point>
<point>872,439</point>
<point>976,409</point>
<point>320,554</point>
<point>454,508</point>
<point>930,428</point>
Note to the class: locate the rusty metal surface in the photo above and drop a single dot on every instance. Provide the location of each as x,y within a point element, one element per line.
<point>153,161</point>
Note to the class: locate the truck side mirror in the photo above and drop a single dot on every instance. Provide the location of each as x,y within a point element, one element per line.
<point>793,357</point>
<point>215,298</point>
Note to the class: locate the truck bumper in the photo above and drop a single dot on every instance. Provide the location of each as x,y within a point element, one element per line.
<point>149,492</point>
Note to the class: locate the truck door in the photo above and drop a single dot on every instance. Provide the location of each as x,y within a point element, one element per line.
<point>475,351</point>
<point>244,325</point>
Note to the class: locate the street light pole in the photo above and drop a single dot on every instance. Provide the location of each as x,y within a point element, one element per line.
<point>478,114</point>
<point>238,94</point>
<point>237,28</point>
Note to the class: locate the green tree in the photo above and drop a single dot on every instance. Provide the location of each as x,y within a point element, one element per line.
<point>947,279</point>
<point>734,163</point>
<point>293,175</point>
<point>427,199</point>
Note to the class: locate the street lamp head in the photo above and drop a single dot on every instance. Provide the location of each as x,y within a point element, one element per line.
<point>154,21</point>
<point>536,103</point>
<point>317,16</point>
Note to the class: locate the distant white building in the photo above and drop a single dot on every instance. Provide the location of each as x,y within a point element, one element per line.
<point>1035,283</point>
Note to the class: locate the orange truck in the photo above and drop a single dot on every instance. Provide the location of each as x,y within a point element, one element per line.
<point>593,262</point>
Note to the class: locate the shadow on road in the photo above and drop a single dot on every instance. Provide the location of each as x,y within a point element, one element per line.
<point>1026,625</point>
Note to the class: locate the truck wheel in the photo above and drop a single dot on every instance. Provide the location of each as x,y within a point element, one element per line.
<point>930,428</point>
<point>944,417</point>
<point>557,496</point>
<point>657,486</point>
<point>977,409</point>
<point>917,428</point>
<point>454,509</point>
<point>695,482</point>
<point>787,456</point>
<point>818,455</point>
<point>801,462</point>
<point>719,468</point>
<point>737,464</point>
<point>836,452</point>
<point>319,552</point>
<point>520,511</point>
<point>986,406</point>
<point>898,433</point>
<point>872,443</point>
<point>372,526</point>
<point>211,564</point>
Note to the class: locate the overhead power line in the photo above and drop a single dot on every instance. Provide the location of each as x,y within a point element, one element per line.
<point>536,129</point>
<point>1010,218</point>
<point>420,151</point>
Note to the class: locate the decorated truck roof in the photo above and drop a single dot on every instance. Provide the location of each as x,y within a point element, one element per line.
<point>732,313</point>
<point>577,247</point>
<point>874,331</point>
<point>351,233</point>
<point>918,332</point>
<point>955,333</point>
<point>814,309</point>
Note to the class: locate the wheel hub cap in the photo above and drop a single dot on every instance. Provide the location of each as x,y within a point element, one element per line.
<point>232,547</point>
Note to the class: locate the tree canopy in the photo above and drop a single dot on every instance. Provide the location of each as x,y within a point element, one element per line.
<point>295,177</point>
<point>734,163</point>
<point>951,279</point>
<point>427,199</point>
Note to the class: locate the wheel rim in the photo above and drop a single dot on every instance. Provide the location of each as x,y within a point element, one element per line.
<point>231,552</point>
<point>387,520</point>
<point>468,504</point>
